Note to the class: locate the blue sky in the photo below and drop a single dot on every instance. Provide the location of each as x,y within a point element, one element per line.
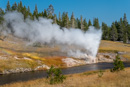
<point>106,10</point>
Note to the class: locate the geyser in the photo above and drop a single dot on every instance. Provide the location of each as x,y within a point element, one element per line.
<point>75,42</point>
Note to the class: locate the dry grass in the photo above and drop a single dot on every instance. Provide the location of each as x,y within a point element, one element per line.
<point>32,61</point>
<point>87,79</point>
<point>55,61</point>
<point>115,46</point>
<point>110,46</point>
<point>16,63</point>
<point>126,55</point>
<point>33,56</point>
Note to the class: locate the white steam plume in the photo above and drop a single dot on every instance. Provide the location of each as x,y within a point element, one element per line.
<point>42,30</point>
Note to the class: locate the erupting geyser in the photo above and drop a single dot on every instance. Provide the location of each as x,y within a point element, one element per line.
<point>75,42</point>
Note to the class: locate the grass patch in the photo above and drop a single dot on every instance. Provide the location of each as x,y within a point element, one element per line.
<point>33,56</point>
<point>126,56</point>
<point>120,79</point>
<point>110,46</point>
<point>107,51</point>
<point>16,63</point>
<point>91,72</point>
<point>55,61</point>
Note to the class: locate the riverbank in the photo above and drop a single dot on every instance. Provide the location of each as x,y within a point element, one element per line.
<point>13,78</point>
<point>85,79</point>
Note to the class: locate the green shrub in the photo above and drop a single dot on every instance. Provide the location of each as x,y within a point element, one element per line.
<point>100,73</point>
<point>55,75</point>
<point>118,64</point>
<point>37,44</point>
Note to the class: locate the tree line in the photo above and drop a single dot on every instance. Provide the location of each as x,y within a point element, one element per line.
<point>118,31</point>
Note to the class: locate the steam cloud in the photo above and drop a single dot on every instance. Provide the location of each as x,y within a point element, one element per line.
<point>74,41</point>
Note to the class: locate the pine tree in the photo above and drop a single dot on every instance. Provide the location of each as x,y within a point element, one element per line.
<point>96,23</point>
<point>63,19</point>
<point>113,33</point>
<point>81,23</point>
<point>28,9</point>
<point>45,13</point>
<point>59,20</point>
<point>55,19</point>
<point>55,75</point>
<point>14,7</point>
<point>29,13</point>
<point>118,64</point>
<point>42,13</point>
<point>20,7</point>
<point>36,10</point>
<point>72,20</point>
<point>125,20</point>
<point>50,11</point>
<point>8,8</point>
<point>85,25</point>
<point>35,13</point>
<point>24,12</point>
<point>125,37</point>
<point>128,32</point>
<point>78,24</point>
<point>89,23</point>
<point>105,30</point>
<point>66,20</point>
<point>31,16</point>
<point>1,16</point>
<point>119,26</point>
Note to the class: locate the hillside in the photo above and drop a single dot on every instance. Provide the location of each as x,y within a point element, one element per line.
<point>18,55</point>
<point>115,47</point>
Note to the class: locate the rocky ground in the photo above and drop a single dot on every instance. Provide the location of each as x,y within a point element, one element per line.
<point>108,57</point>
<point>68,62</point>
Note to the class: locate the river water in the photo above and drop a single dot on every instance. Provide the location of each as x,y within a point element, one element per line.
<point>10,78</point>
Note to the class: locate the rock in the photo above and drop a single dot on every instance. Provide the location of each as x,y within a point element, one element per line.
<point>26,58</point>
<point>17,70</point>
<point>121,53</point>
<point>90,60</point>
<point>42,67</point>
<point>3,57</point>
<point>72,62</point>
<point>16,57</point>
<point>106,57</point>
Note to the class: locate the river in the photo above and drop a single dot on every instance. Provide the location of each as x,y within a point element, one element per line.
<point>10,78</point>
